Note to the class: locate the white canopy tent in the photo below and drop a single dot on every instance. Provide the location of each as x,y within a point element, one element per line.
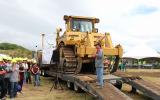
<point>141,51</point>
<point>3,55</point>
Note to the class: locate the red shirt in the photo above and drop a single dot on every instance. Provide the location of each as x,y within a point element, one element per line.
<point>21,75</point>
<point>35,69</point>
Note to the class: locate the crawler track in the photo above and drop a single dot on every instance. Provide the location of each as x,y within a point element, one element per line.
<point>69,63</point>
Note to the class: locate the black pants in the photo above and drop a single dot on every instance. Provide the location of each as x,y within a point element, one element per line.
<point>7,85</point>
<point>28,78</point>
<point>2,87</point>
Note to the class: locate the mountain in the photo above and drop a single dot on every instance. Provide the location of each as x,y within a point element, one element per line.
<point>14,50</point>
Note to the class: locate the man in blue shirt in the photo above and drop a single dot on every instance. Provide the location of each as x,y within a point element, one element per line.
<point>99,64</point>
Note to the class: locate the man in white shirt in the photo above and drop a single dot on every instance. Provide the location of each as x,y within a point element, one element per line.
<point>25,65</point>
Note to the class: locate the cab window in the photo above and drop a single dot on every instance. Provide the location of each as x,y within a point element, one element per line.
<point>82,25</point>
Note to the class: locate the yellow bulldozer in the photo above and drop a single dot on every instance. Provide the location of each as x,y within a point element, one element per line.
<point>76,47</point>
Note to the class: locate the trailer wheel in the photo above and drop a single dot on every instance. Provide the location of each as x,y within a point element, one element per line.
<point>43,72</point>
<point>70,85</point>
<point>76,88</point>
<point>118,84</point>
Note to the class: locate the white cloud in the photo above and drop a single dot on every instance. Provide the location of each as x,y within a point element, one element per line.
<point>29,18</point>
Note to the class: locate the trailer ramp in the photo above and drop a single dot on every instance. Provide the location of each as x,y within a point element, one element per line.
<point>108,92</point>
<point>149,89</point>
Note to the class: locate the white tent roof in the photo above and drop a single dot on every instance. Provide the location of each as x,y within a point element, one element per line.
<point>3,55</point>
<point>141,51</point>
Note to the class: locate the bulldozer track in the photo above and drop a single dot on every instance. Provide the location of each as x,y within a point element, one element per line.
<point>70,60</point>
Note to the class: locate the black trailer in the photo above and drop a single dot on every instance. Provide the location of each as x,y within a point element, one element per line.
<point>87,83</point>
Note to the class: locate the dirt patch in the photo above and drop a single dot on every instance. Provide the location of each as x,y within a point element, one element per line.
<point>144,72</point>
<point>149,74</point>
<point>43,92</point>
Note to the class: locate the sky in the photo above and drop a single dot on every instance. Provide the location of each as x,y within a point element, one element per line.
<point>130,22</point>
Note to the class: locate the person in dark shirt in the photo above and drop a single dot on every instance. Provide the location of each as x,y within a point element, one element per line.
<point>7,75</point>
<point>2,82</point>
<point>21,75</point>
<point>35,71</point>
<point>28,77</point>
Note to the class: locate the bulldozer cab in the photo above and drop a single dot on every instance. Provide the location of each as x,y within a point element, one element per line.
<point>80,24</point>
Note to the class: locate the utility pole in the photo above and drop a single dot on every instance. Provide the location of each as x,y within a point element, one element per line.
<point>42,40</point>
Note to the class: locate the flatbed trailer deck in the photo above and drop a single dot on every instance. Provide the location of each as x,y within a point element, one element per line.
<point>87,82</point>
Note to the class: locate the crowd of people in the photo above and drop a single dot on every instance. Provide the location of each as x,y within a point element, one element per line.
<point>16,72</point>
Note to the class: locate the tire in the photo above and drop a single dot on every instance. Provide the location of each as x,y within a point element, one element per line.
<point>70,85</point>
<point>77,89</point>
<point>118,84</point>
<point>41,72</point>
<point>44,74</point>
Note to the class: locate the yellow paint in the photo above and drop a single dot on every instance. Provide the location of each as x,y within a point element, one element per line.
<point>85,42</point>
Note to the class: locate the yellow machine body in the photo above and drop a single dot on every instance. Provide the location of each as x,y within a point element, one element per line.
<point>85,41</point>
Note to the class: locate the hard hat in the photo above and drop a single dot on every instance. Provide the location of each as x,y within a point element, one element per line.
<point>9,58</point>
<point>1,59</point>
<point>29,60</point>
<point>98,43</point>
<point>25,58</point>
<point>34,61</point>
<point>13,61</point>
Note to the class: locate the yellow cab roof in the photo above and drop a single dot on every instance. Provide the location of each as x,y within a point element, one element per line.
<point>82,17</point>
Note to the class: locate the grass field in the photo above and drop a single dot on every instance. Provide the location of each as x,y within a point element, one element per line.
<point>151,75</point>
<point>147,74</point>
<point>43,92</point>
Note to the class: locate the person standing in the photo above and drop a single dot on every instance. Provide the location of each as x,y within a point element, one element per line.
<point>7,76</point>
<point>14,79</point>
<point>35,70</point>
<point>2,82</point>
<point>21,75</point>
<point>25,65</point>
<point>121,66</point>
<point>99,64</point>
<point>28,78</point>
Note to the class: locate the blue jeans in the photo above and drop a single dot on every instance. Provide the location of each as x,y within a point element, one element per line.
<point>25,76</point>
<point>13,91</point>
<point>99,71</point>
<point>36,80</point>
